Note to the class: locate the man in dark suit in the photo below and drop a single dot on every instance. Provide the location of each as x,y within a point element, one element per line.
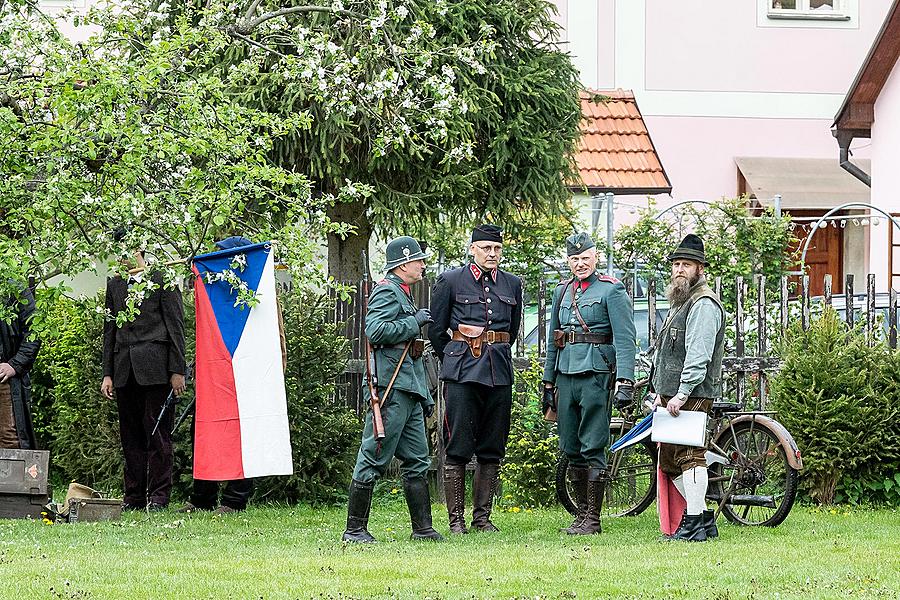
<point>143,360</point>
<point>17,354</point>
<point>477,310</point>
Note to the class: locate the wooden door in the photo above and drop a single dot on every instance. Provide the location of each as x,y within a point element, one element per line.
<point>825,254</point>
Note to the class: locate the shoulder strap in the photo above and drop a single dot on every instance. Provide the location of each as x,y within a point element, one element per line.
<point>390,384</point>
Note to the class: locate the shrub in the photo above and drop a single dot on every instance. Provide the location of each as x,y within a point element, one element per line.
<point>529,468</point>
<point>839,399</point>
<point>81,426</point>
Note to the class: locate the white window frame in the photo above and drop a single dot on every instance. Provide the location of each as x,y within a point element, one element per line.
<point>804,12</point>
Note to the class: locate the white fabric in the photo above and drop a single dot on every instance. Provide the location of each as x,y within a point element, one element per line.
<point>259,382</point>
<point>695,482</point>
<point>679,483</point>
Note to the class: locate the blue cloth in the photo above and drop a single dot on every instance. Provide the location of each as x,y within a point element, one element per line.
<point>235,241</point>
<point>636,434</point>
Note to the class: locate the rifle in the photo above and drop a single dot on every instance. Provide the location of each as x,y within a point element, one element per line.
<point>172,400</point>
<point>371,367</point>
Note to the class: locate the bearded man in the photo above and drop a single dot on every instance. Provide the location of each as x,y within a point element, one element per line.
<point>687,375</point>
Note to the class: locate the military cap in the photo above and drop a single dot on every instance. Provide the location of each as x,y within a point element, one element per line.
<point>235,241</point>
<point>402,250</point>
<point>691,248</point>
<point>578,243</point>
<point>487,233</point>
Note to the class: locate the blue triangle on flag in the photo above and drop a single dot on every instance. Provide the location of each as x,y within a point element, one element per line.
<point>231,319</point>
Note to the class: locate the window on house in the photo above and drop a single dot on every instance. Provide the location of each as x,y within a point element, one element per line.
<point>807,9</point>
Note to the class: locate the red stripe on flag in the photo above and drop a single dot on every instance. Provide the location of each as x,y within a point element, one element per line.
<point>217,435</point>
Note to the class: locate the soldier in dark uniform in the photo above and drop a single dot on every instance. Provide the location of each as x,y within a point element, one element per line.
<point>477,310</point>
<point>392,325</point>
<point>593,349</point>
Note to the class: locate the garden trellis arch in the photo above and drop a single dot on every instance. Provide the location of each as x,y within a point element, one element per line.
<point>831,212</point>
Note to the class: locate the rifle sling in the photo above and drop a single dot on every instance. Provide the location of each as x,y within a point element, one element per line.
<point>390,385</point>
<point>576,311</point>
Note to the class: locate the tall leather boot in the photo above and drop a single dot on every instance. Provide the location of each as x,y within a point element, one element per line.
<point>596,487</point>
<point>691,529</point>
<point>455,493</point>
<point>484,488</point>
<point>419,502</point>
<point>579,478</point>
<point>709,524</point>
<point>358,507</point>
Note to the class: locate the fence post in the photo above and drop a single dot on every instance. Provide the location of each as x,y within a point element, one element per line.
<point>542,318</point>
<point>761,335</point>
<point>651,311</point>
<point>783,301</point>
<point>892,320</point>
<point>827,291</point>
<point>739,336</point>
<point>870,309</point>
<point>520,334</point>
<point>848,301</point>
<point>804,302</point>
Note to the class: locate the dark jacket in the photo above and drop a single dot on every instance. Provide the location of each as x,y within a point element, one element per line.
<point>152,345</point>
<point>492,301</point>
<point>20,352</point>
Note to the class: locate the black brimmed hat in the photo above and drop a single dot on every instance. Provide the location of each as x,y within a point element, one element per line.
<point>402,250</point>
<point>691,248</point>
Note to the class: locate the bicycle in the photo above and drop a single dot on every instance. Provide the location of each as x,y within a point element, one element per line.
<point>753,464</point>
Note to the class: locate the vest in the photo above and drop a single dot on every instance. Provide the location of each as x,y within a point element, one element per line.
<point>671,350</point>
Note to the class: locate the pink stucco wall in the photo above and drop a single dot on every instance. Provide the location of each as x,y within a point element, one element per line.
<point>885,174</point>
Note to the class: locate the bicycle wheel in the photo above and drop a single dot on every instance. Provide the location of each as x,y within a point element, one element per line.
<point>760,482</point>
<point>632,485</point>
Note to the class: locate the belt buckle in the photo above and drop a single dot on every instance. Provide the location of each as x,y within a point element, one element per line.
<point>571,336</point>
<point>490,336</point>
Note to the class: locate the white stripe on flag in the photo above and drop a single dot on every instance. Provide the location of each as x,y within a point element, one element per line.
<point>259,381</point>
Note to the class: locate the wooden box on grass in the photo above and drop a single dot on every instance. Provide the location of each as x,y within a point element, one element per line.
<point>24,471</point>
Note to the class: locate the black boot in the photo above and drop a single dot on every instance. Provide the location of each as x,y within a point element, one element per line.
<point>484,488</point>
<point>358,513</point>
<point>579,478</point>
<point>455,493</point>
<point>419,503</point>
<point>596,487</point>
<point>709,524</point>
<point>690,529</point>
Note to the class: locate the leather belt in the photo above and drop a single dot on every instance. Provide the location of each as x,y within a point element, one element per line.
<point>561,337</point>
<point>416,349</point>
<point>488,337</point>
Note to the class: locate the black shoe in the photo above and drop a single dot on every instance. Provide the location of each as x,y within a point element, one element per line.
<point>419,502</point>
<point>484,488</point>
<point>709,524</point>
<point>358,507</point>
<point>690,529</point>
<point>127,506</point>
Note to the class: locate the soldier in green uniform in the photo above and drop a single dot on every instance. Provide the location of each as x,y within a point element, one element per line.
<point>592,353</point>
<point>392,327</point>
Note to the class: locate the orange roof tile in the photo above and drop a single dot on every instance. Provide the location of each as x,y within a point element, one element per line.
<point>615,152</point>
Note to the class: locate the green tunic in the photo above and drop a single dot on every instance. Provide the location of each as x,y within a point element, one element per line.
<point>390,321</point>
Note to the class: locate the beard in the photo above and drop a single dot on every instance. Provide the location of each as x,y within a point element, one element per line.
<point>679,289</point>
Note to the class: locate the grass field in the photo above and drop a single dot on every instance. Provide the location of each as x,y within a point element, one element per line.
<point>294,553</point>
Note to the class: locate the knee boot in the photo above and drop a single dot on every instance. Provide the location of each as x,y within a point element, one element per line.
<point>579,478</point>
<point>484,488</point>
<point>358,513</point>
<point>455,493</point>
<point>419,502</point>
<point>691,529</point>
<point>596,487</point>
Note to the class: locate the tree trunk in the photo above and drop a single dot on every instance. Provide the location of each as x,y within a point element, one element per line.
<point>345,261</point>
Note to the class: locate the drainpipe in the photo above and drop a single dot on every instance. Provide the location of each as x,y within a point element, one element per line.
<point>844,138</point>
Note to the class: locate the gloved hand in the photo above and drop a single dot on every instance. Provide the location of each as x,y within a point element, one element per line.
<point>549,400</point>
<point>427,410</point>
<point>423,317</point>
<point>624,394</point>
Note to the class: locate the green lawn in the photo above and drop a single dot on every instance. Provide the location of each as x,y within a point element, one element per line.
<point>294,553</point>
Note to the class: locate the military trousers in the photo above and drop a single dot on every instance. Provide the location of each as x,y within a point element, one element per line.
<point>583,413</point>
<point>404,437</point>
<point>476,422</point>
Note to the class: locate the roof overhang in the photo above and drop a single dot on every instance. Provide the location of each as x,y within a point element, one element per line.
<point>803,183</point>
<point>857,113</point>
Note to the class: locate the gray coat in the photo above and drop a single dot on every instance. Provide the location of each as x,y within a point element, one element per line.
<point>20,352</point>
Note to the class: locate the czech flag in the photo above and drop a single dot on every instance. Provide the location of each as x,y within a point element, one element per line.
<point>241,426</point>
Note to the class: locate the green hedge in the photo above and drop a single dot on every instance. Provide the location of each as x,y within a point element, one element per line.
<point>840,399</point>
<point>80,427</point>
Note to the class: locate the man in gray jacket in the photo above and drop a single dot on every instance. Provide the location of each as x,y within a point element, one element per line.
<point>687,375</point>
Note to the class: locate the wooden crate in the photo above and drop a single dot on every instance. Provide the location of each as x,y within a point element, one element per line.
<point>24,471</point>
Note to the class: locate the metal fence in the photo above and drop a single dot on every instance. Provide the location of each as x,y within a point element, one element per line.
<point>752,327</point>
